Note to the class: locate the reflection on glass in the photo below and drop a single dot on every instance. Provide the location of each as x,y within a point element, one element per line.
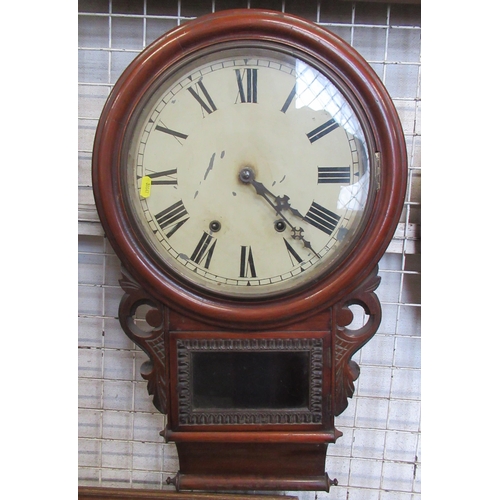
<point>250,380</point>
<point>315,91</point>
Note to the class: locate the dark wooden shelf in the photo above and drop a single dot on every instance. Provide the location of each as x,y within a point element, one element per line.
<point>100,493</point>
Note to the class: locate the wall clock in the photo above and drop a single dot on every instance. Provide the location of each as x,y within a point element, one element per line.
<point>249,170</point>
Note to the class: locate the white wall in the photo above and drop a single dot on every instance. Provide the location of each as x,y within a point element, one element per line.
<point>378,458</point>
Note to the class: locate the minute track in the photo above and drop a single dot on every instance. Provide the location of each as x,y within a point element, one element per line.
<point>198,136</point>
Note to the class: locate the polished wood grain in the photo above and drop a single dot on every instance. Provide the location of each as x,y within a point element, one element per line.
<point>235,452</point>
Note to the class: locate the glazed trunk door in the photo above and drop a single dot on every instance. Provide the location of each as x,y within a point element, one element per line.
<point>235,381</point>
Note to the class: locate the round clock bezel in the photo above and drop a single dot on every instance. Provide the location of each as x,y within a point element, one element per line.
<point>373,106</point>
<point>143,234</point>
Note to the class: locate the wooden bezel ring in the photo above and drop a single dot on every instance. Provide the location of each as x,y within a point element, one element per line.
<point>301,37</point>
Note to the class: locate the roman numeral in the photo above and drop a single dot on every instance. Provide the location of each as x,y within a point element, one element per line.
<point>292,253</point>
<point>322,130</point>
<point>322,218</point>
<point>246,263</point>
<point>173,133</point>
<point>289,100</point>
<point>205,102</point>
<point>176,213</point>
<point>248,94</point>
<point>204,250</point>
<point>334,175</point>
<point>170,178</point>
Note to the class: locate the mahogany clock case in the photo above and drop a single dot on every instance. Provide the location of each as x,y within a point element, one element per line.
<point>296,347</point>
<point>362,88</point>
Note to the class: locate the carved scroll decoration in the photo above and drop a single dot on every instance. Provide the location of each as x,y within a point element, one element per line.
<point>348,341</point>
<point>150,337</point>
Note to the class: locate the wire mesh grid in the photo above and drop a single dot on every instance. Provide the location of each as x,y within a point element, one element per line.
<point>379,455</point>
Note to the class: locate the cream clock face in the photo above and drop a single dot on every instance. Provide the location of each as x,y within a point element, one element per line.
<point>247,172</point>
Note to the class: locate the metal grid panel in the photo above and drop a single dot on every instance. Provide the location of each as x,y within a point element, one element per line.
<point>379,455</point>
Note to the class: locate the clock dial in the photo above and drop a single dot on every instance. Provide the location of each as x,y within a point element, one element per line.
<point>247,172</point>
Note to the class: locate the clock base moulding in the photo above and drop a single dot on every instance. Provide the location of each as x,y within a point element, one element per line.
<point>276,444</point>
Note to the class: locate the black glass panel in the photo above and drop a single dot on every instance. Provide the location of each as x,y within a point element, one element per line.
<point>250,380</point>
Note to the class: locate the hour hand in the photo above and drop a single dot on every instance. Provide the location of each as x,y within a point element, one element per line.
<point>260,188</point>
<point>280,202</point>
<point>247,176</point>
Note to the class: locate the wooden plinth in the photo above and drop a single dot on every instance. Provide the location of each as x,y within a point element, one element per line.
<point>252,466</point>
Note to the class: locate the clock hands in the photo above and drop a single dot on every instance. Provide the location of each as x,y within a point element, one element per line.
<point>281,203</point>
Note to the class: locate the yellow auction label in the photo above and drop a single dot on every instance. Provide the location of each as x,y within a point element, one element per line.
<point>145,186</point>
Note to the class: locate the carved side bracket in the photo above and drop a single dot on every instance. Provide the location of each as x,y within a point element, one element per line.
<point>148,334</point>
<point>348,341</point>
